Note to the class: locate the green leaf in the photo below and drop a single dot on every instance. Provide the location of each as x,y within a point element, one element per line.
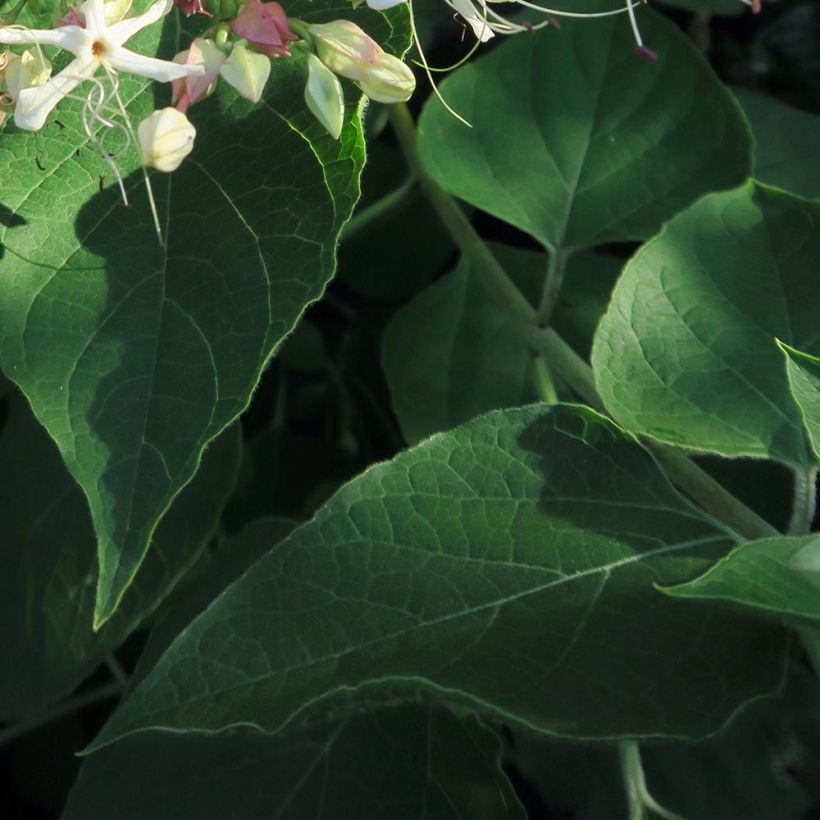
<point>135,355</point>
<point>409,763</point>
<point>202,586</point>
<point>786,143</point>
<point>47,563</point>
<point>449,354</point>
<point>803,373</point>
<point>577,141</point>
<point>507,565</point>
<point>778,577</point>
<point>686,353</point>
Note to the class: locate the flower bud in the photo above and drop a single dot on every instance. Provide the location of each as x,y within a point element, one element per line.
<point>390,82</point>
<point>189,7</point>
<point>345,49</point>
<point>188,90</point>
<point>324,96</point>
<point>165,137</point>
<point>246,72</point>
<point>381,5</point>
<point>113,11</point>
<point>265,27</point>
<point>31,68</point>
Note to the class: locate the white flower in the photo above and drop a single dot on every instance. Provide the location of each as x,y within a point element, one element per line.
<point>166,137</point>
<point>97,45</point>
<point>477,22</point>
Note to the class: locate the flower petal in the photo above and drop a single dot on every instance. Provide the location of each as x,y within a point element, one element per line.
<point>121,59</point>
<point>123,30</point>
<point>35,104</point>
<point>66,37</point>
<point>94,13</point>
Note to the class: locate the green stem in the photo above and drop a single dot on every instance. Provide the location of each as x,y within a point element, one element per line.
<point>552,284</point>
<point>68,707</point>
<point>543,380</point>
<point>804,500</point>
<point>116,670</point>
<point>379,212</point>
<point>562,359</point>
<point>640,800</point>
<point>503,289</point>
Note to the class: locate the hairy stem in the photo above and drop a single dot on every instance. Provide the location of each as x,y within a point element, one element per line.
<point>562,359</point>
<point>503,289</point>
<point>552,285</point>
<point>804,500</point>
<point>544,384</point>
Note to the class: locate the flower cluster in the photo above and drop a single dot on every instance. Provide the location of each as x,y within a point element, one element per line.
<point>237,49</point>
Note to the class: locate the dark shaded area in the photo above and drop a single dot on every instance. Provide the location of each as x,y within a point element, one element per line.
<point>8,219</point>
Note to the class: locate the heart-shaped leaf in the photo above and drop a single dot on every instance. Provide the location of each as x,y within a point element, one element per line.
<point>687,351</point>
<point>577,141</point>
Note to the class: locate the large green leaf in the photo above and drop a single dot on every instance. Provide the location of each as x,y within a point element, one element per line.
<point>134,355</point>
<point>215,572</point>
<point>786,142</point>
<point>803,373</point>
<point>687,351</point>
<point>779,577</point>
<point>47,563</point>
<point>577,141</point>
<point>409,763</point>
<point>507,565</point>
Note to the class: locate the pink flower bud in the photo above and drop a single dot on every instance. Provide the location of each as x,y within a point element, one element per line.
<point>189,7</point>
<point>265,27</point>
<point>188,90</point>
<point>74,17</point>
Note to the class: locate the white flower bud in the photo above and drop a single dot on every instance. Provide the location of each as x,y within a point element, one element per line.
<point>246,72</point>
<point>345,49</point>
<point>390,82</point>
<point>324,96</point>
<point>166,137</point>
<point>31,68</point>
